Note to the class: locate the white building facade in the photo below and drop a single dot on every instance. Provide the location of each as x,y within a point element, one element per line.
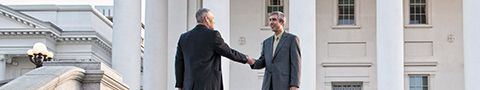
<point>72,33</point>
<point>345,44</point>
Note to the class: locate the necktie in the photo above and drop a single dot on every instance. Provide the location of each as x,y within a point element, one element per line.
<point>275,44</point>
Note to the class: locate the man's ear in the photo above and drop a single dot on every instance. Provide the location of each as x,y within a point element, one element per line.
<point>282,22</point>
<point>205,19</point>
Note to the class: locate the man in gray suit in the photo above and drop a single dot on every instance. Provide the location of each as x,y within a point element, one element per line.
<point>280,56</point>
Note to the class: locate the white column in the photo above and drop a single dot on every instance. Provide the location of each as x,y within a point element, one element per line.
<point>390,43</point>
<point>221,11</point>
<point>302,23</point>
<point>177,24</point>
<point>126,41</point>
<point>193,6</point>
<point>471,36</point>
<point>3,66</point>
<point>155,63</point>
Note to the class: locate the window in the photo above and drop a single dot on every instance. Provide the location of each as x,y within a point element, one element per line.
<point>346,85</point>
<point>418,82</point>
<point>418,12</point>
<point>274,5</point>
<point>346,12</point>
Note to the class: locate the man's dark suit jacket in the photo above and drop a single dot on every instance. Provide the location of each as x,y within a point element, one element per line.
<point>282,67</point>
<point>197,63</point>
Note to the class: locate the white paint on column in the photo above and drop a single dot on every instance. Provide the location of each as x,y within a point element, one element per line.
<point>177,24</point>
<point>390,41</point>
<point>221,11</point>
<point>155,63</point>
<point>126,41</point>
<point>302,23</point>
<point>471,32</point>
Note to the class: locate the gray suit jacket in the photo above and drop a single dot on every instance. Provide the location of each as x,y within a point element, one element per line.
<point>282,67</point>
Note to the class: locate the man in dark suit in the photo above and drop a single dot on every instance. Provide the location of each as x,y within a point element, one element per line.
<point>280,56</point>
<point>199,51</point>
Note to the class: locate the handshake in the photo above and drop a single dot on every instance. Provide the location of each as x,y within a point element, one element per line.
<point>250,60</point>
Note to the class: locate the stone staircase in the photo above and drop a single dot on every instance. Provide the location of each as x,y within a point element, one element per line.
<point>58,75</point>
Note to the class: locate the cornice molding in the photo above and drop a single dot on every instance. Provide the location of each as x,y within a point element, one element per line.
<point>69,8</point>
<point>77,36</point>
<point>23,18</point>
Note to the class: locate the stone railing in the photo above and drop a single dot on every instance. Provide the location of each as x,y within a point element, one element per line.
<point>68,76</point>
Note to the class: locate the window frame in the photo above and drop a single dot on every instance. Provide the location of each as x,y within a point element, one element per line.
<point>429,83</point>
<point>356,15</point>
<point>345,5</point>
<point>333,84</point>
<point>428,12</point>
<point>266,14</point>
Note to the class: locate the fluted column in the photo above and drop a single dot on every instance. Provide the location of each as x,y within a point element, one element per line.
<point>155,63</point>
<point>126,41</point>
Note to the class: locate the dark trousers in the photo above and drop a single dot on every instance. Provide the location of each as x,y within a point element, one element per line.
<point>271,86</point>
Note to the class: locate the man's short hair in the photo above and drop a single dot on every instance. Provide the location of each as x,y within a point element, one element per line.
<point>281,16</point>
<point>201,13</point>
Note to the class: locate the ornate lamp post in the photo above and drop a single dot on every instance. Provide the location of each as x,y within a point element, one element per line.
<point>38,54</point>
